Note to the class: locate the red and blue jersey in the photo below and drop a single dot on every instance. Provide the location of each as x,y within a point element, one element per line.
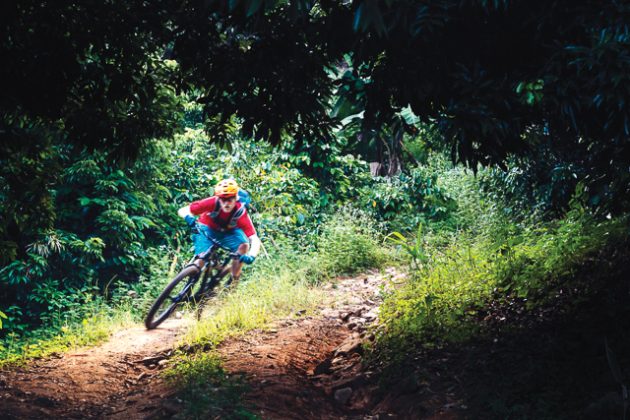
<point>205,207</point>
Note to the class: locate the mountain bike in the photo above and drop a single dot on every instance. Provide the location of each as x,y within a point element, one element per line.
<point>192,285</point>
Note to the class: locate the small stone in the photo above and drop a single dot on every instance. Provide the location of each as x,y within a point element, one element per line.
<point>337,360</point>
<point>371,315</point>
<point>343,395</point>
<point>349,346</point>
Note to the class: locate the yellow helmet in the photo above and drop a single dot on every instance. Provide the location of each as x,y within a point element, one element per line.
<point>226,188</point>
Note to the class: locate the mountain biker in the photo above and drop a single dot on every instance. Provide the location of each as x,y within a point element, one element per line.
<point>223,218</point>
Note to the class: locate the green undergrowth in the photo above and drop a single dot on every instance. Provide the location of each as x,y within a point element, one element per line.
<point>94,329</point>
<point>457,276</point>
<point>206,390</point>
<point>86,318</point>
<point>254,305</point>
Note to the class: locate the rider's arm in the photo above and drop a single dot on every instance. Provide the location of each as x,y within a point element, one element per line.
<point>255,245</point>
<point>188,217</point>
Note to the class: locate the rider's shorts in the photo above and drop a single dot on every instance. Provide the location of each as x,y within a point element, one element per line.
<point>230,239</point>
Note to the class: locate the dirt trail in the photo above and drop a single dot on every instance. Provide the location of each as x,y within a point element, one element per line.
<point>88,382</point>
<point>308,367</point>
<point>311,367</point>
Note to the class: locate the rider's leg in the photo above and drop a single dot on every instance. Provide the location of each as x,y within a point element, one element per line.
<point>237,266</point>
<point>201,243</point>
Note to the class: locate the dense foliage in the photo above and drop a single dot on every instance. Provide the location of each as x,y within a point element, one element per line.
<point>487,74</point>
<point>116,114</point>
<point>113,229</point>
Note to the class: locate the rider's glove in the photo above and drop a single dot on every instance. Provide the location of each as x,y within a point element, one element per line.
<point>192,222</point>
<point>247,259</point>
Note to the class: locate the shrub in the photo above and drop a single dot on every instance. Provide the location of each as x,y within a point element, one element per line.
<point>349,243</point>
<point>407,199</point>
<point>445,296</point>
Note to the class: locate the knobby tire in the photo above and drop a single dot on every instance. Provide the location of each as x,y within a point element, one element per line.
<point>151,323</point>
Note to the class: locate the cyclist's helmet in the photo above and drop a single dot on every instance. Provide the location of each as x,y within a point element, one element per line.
<point>226,188</point>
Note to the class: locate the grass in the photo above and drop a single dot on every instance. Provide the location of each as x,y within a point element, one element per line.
<point>206,389</point>
<point>92,330</point>
<point>453,284</point>
<point>254,305</point>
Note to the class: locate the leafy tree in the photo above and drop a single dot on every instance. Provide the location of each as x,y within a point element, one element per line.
<point>484,72</point>
<point>78,73</point>
<point>106,226</point>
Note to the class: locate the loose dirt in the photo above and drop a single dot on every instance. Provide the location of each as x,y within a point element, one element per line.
<point>303,367</point>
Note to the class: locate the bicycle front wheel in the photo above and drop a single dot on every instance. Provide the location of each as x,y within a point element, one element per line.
<point>174,293</point>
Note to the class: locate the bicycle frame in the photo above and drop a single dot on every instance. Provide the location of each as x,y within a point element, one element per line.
<point>216,265</point>
<point>212,260</point>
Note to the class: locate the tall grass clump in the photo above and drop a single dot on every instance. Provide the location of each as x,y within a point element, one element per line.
<point>253,305</point>
<point>349,243</point>
<point>445,290</point>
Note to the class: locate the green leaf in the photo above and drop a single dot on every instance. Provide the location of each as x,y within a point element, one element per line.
<point>2,315</point>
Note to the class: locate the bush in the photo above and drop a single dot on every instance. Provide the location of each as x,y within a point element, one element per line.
<point>349,243</point>
<point>406,200</point>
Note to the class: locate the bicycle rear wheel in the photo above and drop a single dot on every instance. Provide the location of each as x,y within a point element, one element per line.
<point>175,292</point>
